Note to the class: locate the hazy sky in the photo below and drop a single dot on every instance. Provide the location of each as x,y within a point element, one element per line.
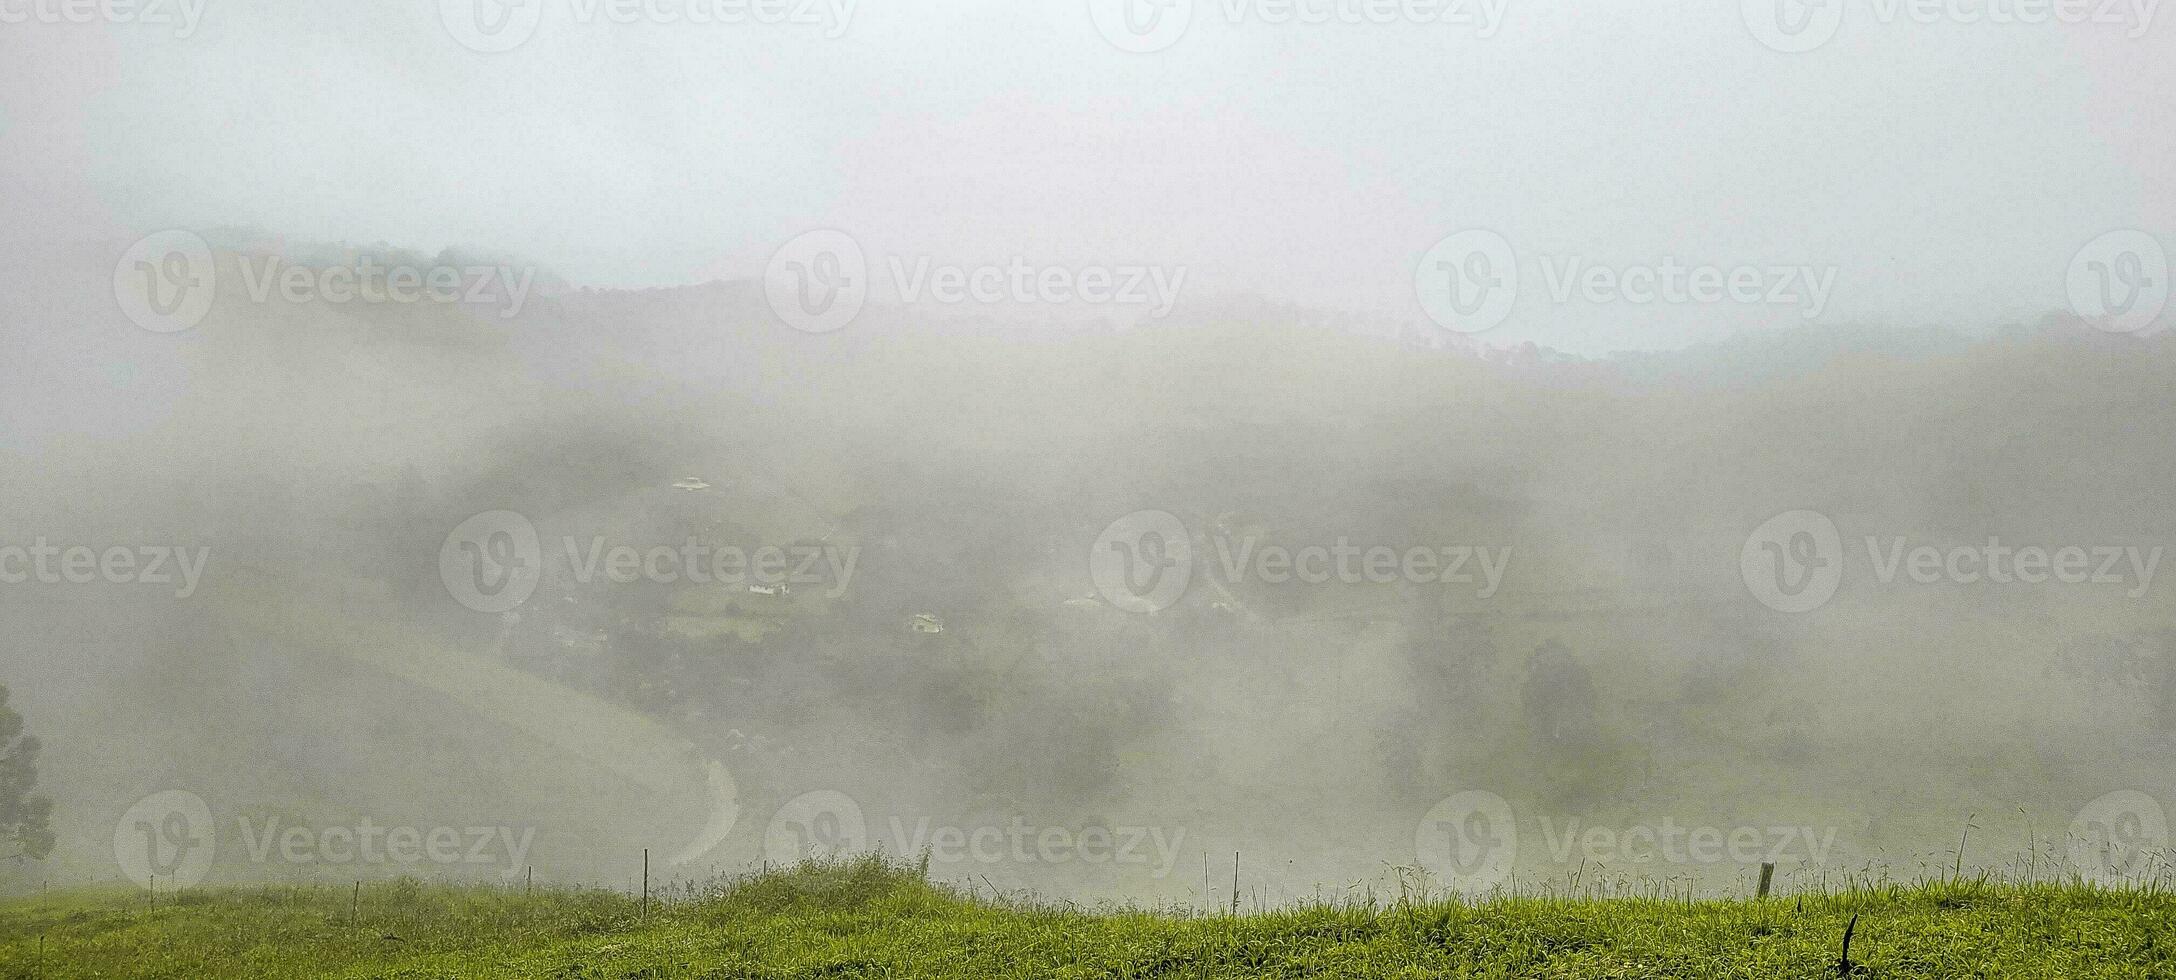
<point>1939,172</point>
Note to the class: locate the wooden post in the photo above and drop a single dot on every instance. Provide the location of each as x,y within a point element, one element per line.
<point>1767,874</point>
<point>355,904</point>
<point>1235,882</point>
<point>528,881</point>
<point>645,883</point>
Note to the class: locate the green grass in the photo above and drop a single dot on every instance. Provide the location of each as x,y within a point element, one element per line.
<point>870,918</point>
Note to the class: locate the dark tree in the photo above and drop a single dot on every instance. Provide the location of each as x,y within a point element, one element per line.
<point>1559,697</point>
<point>24,818</point>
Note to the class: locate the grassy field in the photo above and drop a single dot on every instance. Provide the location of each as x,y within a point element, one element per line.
<point>867,918</point>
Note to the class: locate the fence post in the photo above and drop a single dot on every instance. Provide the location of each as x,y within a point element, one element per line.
<point>1235,882</point>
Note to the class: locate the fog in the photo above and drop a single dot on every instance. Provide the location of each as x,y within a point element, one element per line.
<point>1535,447</point>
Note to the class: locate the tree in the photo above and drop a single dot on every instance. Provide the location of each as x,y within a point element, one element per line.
<point>2144,662</point>
<point>24,818</point>
<point>1559,697</point>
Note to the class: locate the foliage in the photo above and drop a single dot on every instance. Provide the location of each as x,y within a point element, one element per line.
<point>25,818</point>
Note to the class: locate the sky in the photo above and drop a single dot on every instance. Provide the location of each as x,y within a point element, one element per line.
<point>1900,173</point>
